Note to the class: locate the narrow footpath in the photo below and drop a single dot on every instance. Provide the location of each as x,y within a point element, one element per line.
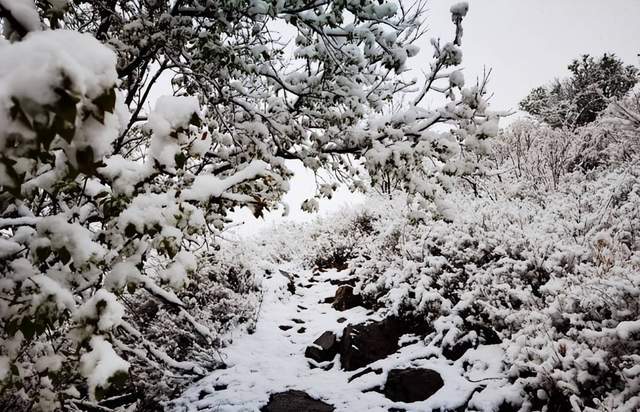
<point>315,349</point>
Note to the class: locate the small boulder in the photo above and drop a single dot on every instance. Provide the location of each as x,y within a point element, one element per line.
<point>364,372</point>
<point>344,281</point>
<point>324,348</point>
<point>345,299</point>
<point>295,401</point>
<point>412,384</point>
<point>368,342</point>
<point>455,351</point>
<point>291,277</point>
<point>480,334</point>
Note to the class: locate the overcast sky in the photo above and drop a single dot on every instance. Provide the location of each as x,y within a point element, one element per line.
<point>527,43</point>
<point>530,42</point>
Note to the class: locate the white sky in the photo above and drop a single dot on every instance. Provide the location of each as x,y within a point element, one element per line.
<point>530,42</point>
<point>527,43</point>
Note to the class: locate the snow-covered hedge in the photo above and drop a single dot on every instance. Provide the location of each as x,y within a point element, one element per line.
<point>552,275</point>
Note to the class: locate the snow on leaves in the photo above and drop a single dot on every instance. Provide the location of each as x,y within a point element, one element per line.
<point>108,208</point>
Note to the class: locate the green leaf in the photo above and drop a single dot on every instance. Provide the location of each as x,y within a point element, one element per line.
<point>64,255</point>
<point>195,120</point>
<point>28,328</point>
<point>106,102</point>
<point>66,105</point>
<point>63,128</point>
<point>130,230</point>
<point>42,253</point>
<point>180,159</point>
<point>86,163</point>
<point>17,113</point>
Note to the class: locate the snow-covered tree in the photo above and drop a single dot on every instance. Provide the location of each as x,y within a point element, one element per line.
<point>579,99</point>
<point>109,200</point>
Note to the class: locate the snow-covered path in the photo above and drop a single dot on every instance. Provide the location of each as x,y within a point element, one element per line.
<point>272,360</point>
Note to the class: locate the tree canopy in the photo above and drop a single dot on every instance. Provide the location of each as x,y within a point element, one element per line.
<point>579,99</point>
<point>109,200</point>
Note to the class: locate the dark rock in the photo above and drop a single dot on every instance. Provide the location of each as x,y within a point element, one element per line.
<point>302,307</point>
<point>368,342</point>
<point>285,327</point>
<point>374,389</point>
<point>324,348</point>
<point>291,285</point>
<point>116,402</point>
<point>302,330</point>
<point>341,320</point>
<point>298,321</point>
<point>507,407</point>
<point>291,277</point>
<point>322,365</point>
<point>345,299</point>
<point>455,351</point>
<point>364,372</point>
<point>340,282</point>
<point>483,335</point>
<point>412,385</point>
<point>295,401</point>
<point>220,387</point>
<point>409,341</point>
<point>329,299</point>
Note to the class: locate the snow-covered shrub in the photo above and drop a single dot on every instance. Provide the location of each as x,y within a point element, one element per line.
<point>220,294</point>
<point>552,275</point>
<point>536,153</point>
<point>542,156</point>
<point>557,283</point>
<point>334,248</point>
<point>579,99</point>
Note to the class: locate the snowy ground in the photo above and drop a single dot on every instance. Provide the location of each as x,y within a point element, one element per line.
<point>272,360</point>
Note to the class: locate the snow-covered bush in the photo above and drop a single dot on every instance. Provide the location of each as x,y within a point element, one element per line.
<point>579,99</point>
<point>552,275</point>
<point>538,155</point>
<point>335,243</point>
<point>220,295</point>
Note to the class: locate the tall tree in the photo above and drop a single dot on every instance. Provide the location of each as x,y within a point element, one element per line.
<point>103,198</point>
<point>579,99</point>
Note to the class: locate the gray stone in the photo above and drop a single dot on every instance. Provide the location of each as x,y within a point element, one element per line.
<point>412,384</point>
<point>324,348</point>
<point>295,401</point>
